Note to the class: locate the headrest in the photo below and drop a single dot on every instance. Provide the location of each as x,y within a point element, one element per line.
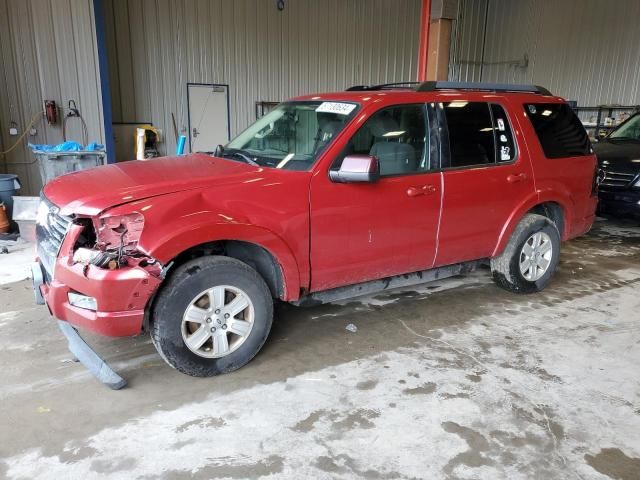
<point>381,124</point>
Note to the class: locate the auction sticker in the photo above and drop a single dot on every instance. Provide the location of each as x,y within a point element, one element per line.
<point>336,107</point>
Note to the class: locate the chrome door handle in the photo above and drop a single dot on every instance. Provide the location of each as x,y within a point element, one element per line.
<point>421,190</point>
<point>520,177</point>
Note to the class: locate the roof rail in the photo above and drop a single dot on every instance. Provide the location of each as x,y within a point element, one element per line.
<point>382,86</point>
<point>492,87</point>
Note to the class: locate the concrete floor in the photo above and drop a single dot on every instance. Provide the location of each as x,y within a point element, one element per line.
<point>455,380</point>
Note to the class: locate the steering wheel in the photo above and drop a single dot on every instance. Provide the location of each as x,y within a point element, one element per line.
<point>244,157</point>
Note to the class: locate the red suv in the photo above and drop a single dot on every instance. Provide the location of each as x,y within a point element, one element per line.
<point>328,196</point>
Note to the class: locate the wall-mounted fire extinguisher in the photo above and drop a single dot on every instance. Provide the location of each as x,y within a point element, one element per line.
<point>51,111</point>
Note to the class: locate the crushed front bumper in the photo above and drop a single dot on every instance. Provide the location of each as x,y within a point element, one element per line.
<point>121,295</point>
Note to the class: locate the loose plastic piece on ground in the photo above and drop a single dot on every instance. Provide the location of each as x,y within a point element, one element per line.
<point>90,359</point>
<point>352,328</point>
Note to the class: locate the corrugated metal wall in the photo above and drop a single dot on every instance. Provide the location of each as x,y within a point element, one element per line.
<point>47,51</point>
<point>584,50</point>
<point>157,46</point>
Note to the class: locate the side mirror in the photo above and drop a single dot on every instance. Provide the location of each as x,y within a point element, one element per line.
<point>356,169</point>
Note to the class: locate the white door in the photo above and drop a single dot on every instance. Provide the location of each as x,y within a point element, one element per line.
<point>208,116</point>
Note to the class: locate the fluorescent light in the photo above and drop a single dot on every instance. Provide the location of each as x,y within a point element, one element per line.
<point>487,129</point>
<point>396,133</point>
<point>546,113</point>
<point>457,104</point>
<point>82,301</point>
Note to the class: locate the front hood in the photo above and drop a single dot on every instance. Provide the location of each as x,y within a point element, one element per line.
<point>620,156</point>
<point>92,191</point>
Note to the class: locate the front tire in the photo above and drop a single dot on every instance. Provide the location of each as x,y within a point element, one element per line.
<point>530,258</point>
<point>212,317</point>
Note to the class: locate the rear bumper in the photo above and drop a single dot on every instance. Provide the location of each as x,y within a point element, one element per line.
<point>581,225</point>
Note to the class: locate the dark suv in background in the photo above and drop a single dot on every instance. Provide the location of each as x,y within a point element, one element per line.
<point>619,161</point>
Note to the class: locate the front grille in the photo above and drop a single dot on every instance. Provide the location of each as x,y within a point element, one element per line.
<point>617,179</point>
<point>50,233</point>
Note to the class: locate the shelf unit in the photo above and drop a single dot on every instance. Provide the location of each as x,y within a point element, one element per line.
<point>601,112</point>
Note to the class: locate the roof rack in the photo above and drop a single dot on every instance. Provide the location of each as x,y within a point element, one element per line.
<point>492,87</point>
<point>382,86</point>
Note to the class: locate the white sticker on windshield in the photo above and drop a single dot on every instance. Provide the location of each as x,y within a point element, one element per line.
<point>336,107</point>
<point>501,125</point>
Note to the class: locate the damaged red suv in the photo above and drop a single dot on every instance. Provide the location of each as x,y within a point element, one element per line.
<point>328,196</point>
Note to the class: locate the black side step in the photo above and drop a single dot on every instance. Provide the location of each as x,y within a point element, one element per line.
<point>388,283</point>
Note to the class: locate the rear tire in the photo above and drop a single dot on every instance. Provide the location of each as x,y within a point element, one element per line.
<point>212,316</point>
<point>530,258</point>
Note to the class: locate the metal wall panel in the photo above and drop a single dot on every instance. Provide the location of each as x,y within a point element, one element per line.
<point>584,50</point>
<point>261,53</point>
<point>47,51</point>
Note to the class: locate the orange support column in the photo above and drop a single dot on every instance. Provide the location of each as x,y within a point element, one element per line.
<point>439,45</point>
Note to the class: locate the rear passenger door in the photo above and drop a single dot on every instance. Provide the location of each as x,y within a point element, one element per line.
<point>485,174</point>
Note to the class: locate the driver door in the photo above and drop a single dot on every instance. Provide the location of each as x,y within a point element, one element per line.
<point>367,231</point>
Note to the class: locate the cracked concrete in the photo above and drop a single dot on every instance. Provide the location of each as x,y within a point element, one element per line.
<point>453,380</point>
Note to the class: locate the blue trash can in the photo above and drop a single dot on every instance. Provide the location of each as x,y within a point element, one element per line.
<point>9,184</point>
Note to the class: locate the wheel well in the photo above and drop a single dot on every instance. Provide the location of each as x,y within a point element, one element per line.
<point>553,211</point>
<point>253,255</point>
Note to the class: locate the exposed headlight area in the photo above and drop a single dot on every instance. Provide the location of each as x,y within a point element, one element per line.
<point>99,258</point>
<point>119,231</point>
<point>110,242</point>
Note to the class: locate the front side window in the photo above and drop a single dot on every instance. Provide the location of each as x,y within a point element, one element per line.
<point>560,132</point>
<point>292,136</point>
<point>397,137</point>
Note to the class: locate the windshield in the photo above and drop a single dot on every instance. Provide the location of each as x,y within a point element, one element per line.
<point>629,129</point>
<point>292,136</point>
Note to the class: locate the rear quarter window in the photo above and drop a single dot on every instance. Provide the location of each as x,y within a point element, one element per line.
<point>558,129</point>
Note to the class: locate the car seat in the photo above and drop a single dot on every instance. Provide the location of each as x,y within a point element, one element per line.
<point>395,157</point>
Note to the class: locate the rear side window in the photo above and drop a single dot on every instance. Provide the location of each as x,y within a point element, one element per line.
<point>560,132</point>
<point>470,133</point>
<point>479,134</point>
<point>505,145</point>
